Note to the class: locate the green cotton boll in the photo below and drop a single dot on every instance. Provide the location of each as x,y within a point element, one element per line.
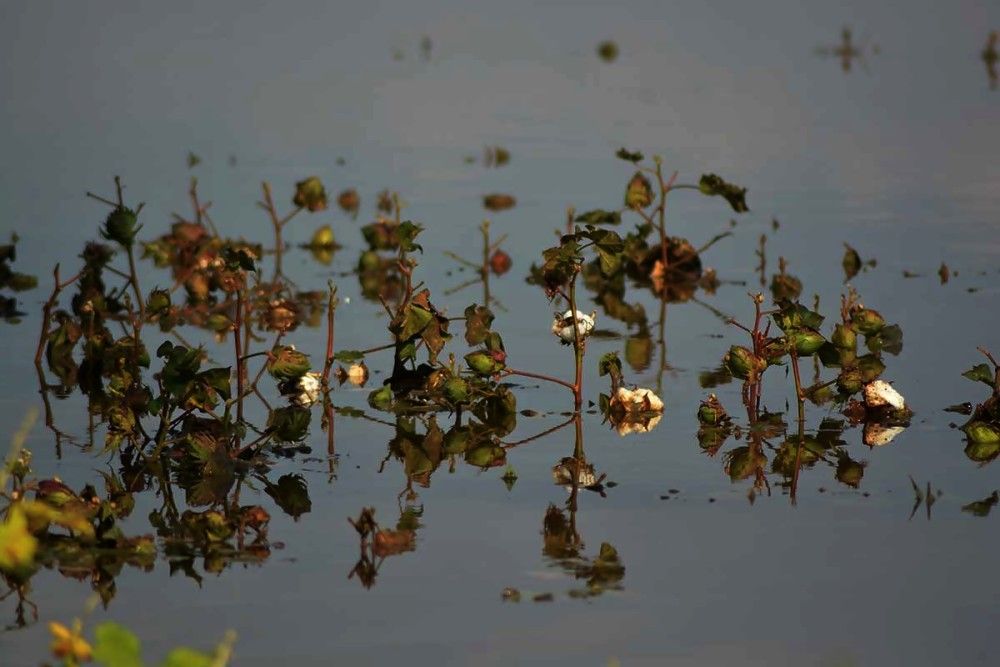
<point>712,438</point>
<point>709,415</point>
<point>742,363</point>
<point>310,194</point>
<point>486,456</point>
<point>711,412</point>
<point>806,341</point>
<point>871,368</point>
<point>287,363</point>
<point>219,323</point>
<point>159,302</point>
<point>482,363</point>
<point>982,452</point>
<point>638,193</point>
<point>456,390</point>
<point>381,399</point>
<point>120,226</point>
<point>369,261</point>
<point>217,528</point>
<point>866,320</point>
<point>849,381</point>
<point>456,440</point>
<point>844,337</point>
<point>982,433</point>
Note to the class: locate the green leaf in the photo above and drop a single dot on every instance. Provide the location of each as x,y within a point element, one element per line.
<point>289,424</point>
<point>217,379</point>
<point>609,248</point>
<point>851,262</point>
<point>477,323</point>
<point>348,356</point>
<point>713,185</point>
<point>17,544</point>
<point>408,351</point>
<point>407,232</point>
<point>186,657</point>
<point>600,217</point>
<point>116,646</point>
<point>980,373</point>
<point>611,364</point>
<point>287,363</point>
<point>415,319</point>
<point>291,494</point>
<point>794,316</point>
<point>889,339</point>
<point>628,156</point>
<point>494,343</point>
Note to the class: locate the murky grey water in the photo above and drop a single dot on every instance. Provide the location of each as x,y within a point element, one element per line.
<point>897,157</point>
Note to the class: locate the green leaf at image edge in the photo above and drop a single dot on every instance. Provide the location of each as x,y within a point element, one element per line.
<point>116,646</point>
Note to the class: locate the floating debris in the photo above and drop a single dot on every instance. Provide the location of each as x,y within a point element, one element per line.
<point>608,51</point>
<point>498,202</point>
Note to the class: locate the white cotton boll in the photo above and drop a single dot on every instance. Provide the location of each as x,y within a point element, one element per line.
<point>876,435</point>
<point>629,427</point>
<point>358,374</point>
<point>562,325</point>
<point>309,389</point>
<point>880,394</point>
<point>640,399</point>
<point>570,467</point>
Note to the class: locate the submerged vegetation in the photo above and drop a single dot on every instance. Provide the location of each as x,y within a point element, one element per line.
<point>195,433</point>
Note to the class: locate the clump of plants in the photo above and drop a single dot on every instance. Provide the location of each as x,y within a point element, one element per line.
<point>982,430</point>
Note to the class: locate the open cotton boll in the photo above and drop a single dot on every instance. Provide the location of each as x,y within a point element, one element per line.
<point>877,435</point>
<point>308,388</point>
<point>880,394</point>
<point>562,325</point>
<point>562,473</point>
<point>629,427</point>
<point>641,399</point>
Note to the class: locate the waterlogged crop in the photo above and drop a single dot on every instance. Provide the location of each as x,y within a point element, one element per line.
<point>196,427</point>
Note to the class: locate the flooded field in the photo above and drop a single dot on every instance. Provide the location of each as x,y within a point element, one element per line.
<point>500,335</point>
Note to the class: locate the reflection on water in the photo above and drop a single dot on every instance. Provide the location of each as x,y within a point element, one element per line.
<point>184,434</point>
<point>848,52</point>
<point>991,58</point>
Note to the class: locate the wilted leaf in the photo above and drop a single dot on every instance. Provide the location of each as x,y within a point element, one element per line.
<point>628,156</point>
<point>310,194</point>
<point>851,262</point>
<point>980,373</point>
<point>713,185</point>
<point>291,494</point>
<point>600,217</point>
<point>478,320</point>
